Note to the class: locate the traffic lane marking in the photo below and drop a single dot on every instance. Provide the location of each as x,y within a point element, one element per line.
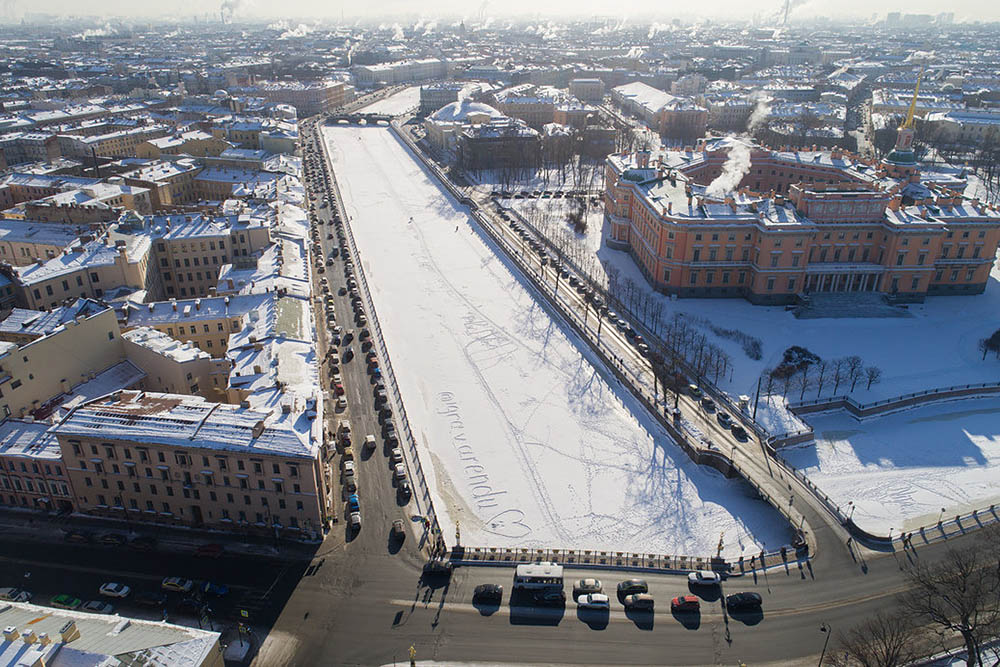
<point>710,610</point>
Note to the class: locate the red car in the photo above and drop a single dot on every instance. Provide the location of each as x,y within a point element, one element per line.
<point>338,389</point>
<point>685,603</point>
<point>209,550</point>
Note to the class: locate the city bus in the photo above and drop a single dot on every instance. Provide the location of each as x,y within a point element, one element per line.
<point>535,577</point>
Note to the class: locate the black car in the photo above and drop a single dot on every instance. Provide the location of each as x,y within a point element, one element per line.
<point>632,587</point>
<point>77,536</point>
<point>488,593</point>
<point>438,567</point>
<point>143,543</point>
<point>549,598</point>
<point>404,489</point>
<point>112,539</point>
<point>348,354</point>
<point>151,599</point>
<point>746,600</point>
<point>739,432</point>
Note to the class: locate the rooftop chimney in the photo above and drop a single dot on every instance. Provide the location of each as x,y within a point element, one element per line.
<point>28,636</point>
<point>69,632</point>
<point>10,633</point>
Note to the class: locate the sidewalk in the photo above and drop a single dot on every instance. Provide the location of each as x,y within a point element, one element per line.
<point>29,525</point>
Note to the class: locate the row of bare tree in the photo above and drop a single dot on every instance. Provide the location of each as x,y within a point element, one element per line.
<point>956,598</point>
<point>829,374</point>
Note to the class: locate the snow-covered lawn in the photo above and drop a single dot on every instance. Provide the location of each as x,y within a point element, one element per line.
<point>524,441</point>
<point>936,347</point>
<point>397,103</point>
<point>901,469</point>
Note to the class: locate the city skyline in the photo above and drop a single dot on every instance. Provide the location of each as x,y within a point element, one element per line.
<point>628,12</point>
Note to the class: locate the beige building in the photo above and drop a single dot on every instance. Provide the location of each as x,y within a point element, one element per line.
<point>32,474</point>
<point>175,367</point>
<point>195,142</point>
<point>77,336</point>
<point>45,636</point>
<point>24,241</point>
<point>88,269</point>
<point>183,460</point>
<point>205,323</point>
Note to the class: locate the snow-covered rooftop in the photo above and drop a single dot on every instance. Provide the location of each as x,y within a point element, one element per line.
<point>187,421</point>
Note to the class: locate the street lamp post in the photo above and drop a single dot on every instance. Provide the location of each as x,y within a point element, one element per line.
<point>827,630</point>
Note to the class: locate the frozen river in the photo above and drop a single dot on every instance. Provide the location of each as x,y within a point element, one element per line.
<point>527,443</point>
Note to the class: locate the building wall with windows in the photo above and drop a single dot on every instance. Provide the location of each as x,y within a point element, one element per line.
<point>28,376</point>
<point>839,225</point>
<point>175,367</point>
<point>32,474</point>
<point>176,459</point>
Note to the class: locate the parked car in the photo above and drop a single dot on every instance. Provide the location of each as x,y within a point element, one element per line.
<point>114,590</point>
<point>355,520</point>
<point>639,601</point>
<point>209,550</point>
<point>397,529</point>
<point>348,468</point>
<point>396,455</point>
<point>632,587</point>
<point>593,601</point>
<point>77,536</point>
<point>404,489</point>
<point>685,603</point>
<point>64,601</point>
<point>707,403</point>
<point>369,445</point>
<point>353,503</point>
<point>745,600</point>
<point>739,432</point>
<point>724,419</point>
<point>142,543</point>
<point>14,595</point>
<point>98,607</point>
<point>704,578</point>
<point>151,599</point>
<point>177,584</point>
<point>549,598</point>
<point>399,472</point>
<point>488,593</point>
<point>112,539</point>
<point>218,590</point>
<point>694,390</point>
<point>585,586</point>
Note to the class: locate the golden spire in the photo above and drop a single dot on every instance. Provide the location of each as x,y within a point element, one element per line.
<point>908,123</point>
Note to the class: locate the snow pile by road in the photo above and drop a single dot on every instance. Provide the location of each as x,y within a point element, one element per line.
<point>526,443</point>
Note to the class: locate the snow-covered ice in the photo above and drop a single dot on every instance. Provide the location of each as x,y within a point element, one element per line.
<point>405,100</point>
<point>524,441</point>
<point>899,470</point>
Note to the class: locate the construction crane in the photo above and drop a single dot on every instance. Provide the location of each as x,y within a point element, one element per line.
<point>908,123</point>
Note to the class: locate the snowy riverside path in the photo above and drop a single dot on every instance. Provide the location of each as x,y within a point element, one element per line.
<point>528,445</point>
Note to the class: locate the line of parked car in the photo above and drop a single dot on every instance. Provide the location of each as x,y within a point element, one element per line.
<point>633,594</point>
<point>194,592</point>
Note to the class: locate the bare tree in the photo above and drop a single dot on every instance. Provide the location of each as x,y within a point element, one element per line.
<point>803,380</point>
<point>821,369</point>
<point>839,366</point>
<point>958,594</point>
<point>984,347</point>
<point>874,375</point>
<point>883,640</point>
<point>854,369</point>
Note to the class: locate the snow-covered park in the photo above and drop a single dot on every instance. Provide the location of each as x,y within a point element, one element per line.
<point>913,474</point>
<point>525,441</point>
<point>405,100</point>
<point>901,469</point>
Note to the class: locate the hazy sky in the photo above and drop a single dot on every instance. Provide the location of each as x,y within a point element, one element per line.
<point>641,10</point>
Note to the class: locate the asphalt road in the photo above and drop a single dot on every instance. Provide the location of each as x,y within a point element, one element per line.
<point>259,585</point>
<point>362,599</point>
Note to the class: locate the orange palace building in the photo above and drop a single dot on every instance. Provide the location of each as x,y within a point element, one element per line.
<point>797,222</point>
